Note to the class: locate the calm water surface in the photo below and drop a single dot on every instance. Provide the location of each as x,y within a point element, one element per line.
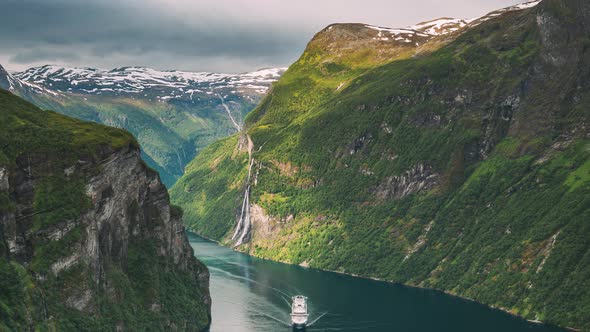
<point>251,294</point>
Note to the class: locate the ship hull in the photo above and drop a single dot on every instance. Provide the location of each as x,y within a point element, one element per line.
<point>299,327</point>
<point>299,321</point>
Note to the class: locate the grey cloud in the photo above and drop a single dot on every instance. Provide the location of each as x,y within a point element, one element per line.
<point>189,35</point>
<point>41,54</point>
<point>34,31</point>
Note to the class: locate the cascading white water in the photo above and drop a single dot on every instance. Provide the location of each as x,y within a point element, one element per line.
<point>244,224</point>
<point>234,122</point>
<point>241,218</point>
<point>246,219</point>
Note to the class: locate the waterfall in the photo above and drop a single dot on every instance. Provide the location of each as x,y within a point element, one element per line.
<point>234,122</point>
<point>244,223</point>
<point>246,220</point>
<point>241,218</point>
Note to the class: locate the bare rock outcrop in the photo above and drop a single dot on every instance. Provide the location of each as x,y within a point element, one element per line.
<point>420,177</point>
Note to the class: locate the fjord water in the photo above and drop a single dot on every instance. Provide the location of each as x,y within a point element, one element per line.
<point>251,294</point>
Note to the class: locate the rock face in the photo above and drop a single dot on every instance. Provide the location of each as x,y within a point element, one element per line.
<point>123,182</point>
<point>418,178</point>
<point>92,237</point>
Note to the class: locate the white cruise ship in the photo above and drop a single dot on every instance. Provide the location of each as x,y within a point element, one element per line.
<point>299,313</point>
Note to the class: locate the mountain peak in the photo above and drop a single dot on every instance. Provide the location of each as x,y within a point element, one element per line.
<point>441,26</point>
<point>378,44</point>
<point>4,79</point>
<point>351,32</point>
<point>8,81</point>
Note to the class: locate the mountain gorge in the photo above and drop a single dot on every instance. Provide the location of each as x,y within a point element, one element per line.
<point>173,114</point>
<point>88,238</point>
<point>452,155</point>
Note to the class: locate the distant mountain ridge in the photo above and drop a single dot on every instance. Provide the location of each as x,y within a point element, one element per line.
<point>174,114</point>
<point>147,81</point>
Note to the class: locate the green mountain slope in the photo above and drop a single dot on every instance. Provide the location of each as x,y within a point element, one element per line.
<point>460,164</point>
<point>170,133</point>
<point>88,239</point>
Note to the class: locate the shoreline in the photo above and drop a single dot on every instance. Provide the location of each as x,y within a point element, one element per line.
<point>393,283</point>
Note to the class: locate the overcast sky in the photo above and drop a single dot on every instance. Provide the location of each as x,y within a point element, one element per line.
<point>195,35</point>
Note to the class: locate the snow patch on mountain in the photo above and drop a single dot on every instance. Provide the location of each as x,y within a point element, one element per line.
<point>400,35</point>
<point>525,5</point>
<point>440,26</point>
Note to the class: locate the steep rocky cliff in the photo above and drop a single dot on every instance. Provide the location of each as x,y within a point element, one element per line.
<point>458,160</point>
<point>88,238</point>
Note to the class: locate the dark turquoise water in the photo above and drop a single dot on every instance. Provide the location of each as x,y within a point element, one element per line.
<point>251,294</point>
